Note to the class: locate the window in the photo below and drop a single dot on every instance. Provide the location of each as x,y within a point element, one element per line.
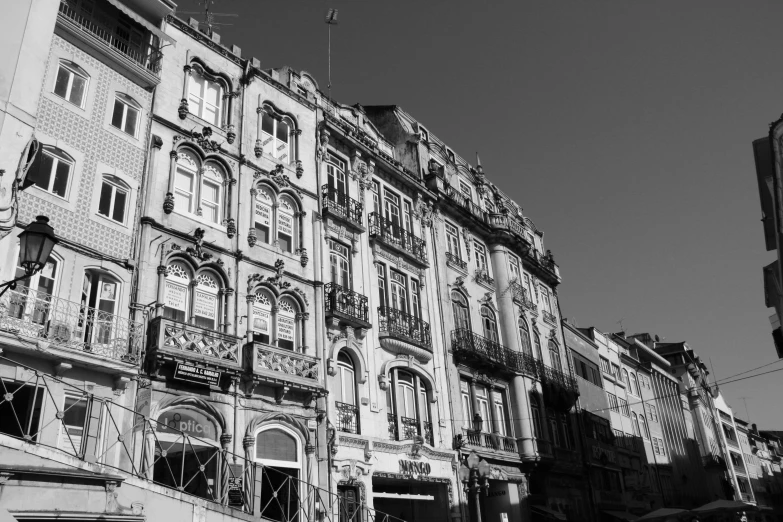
<point>554,433</point>
<point>348,419</point>
<point>71,83</point>
<point>501,423</point>
<point>279,449</point>
<point>409,402</point>
<point>624,407</point>
<point>467,405</point>
<point>201,304</point>
<point>33,292</point>
<point>554,356</point>
<point>205,96</point>
<point>524,336</point>
<point>113,201</point>
<point>283,327</point>
<point>74,422</point>
<point>466,190</point>
<point>399,293</point>
<point>459,307</point>
<point>336,179</point>
<point>490,324</point>
<point>199,190</point>
<point>537,344</point>
<point>277,220</point>
<point>452,240</point>
<point>613,402</point>
<point>535,413</point>
<point>262,317</point>
<point>205,301</point>
<point>381,274</point>
<point>545,303</point>
<point>415,299</point>
<point>481,258</point>
<point>482,403</point>
<point>644,429</point>
<point>516,273</point>
<point>625,376</point>
<point>276,136</point>
<point>286,324</point>
<point>263,215</point>
<point>615,370</point>
<point>605,365</point>
<point>99,300</point>
<point>408,214</point>
<point>376,203</point>
<point>285,225</point>
<point>125,115</point>
<point>635,424</point>
<point>633,387</point>
<point>339,261</point>
<point>51,171</point>
<point>652,413</point>
<point>22,416</point>
<point>656,446</point>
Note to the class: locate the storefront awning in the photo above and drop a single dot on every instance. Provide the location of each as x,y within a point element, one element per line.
<point>143,21</point>
<point>548,513</point>
<point>5,516</point>
<point>622,515</point>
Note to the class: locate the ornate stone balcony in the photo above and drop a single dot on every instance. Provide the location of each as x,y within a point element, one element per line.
<point>395,236</point>
<point>282,369</point>
<point>461,200</point>
<point>481,352</point>
<point>69,326</point>
<point>550,318</point>
<point>170,340</point>
<point>489,441</point>
<point>404,334</point>
<point>342,207</point>
<point>346,305</point>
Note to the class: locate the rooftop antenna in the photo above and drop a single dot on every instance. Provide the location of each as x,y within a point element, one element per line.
<point>331,19</point>
<point>620,322</point>
<point>714,377</point>
<point>745,400</point>
<point>208,15</point>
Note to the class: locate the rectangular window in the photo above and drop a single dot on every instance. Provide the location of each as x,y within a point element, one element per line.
<point>406,205</point>
<point>113,202</point>
<point>452,240</point>
<point>466,191</point>
<point>210,201</point>
<point>184,190</point>
<point>415,299</point>
<point>595,377</point>
<point>615,370</point>
<point>381,272</point>
<point>624,407</point>
<point>613,402</point>
<point>481,258</point>
<point>73,423</point>
<point>70,85</point>
<point>605,365</point>
<point>285,231</point>
<point>376,203</point>
<point>498,403</point>
<point>467,406</point>
<point>515,271</point>
<point>50,171</point>
<point>125,117</point>
<point>482,402</point>
<point>545,299</point>
<point>22,416</point>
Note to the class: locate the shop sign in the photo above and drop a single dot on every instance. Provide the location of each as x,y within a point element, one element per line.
<point>285,328</point>
<point>602,454</point>
<point>175,296</point>
<point>261,320</point>
<point>188,422</point>
<point>413,468</point>
<point>190,373</point>
<point>205,305</point>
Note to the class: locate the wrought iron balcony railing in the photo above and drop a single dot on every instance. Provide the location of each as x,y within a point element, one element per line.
<point>341,205</point>
<point>395,323</point>
<point>409,428</point>
<point>481,350</point>
<point>190,341</point>
<point>392,422</point>
<point>70,326</point>
<point>132,444</point>
<point>492,441</point>
<point>347,417</point>
<point>393,234</point>
<point>144,55</point>
<point>346,303</point>
<point>557,377</point>
<point>428,433</point>
<point>456,262</point>
<point>465,202</point>
<point>482,276</point>
<point>549,317</point>
<point>520,295</point>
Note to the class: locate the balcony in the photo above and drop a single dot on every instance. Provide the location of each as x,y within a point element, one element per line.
<point>505,222</point>
<point>404,334</point>
<point>346,305</point>
<point>455,262</point>
<point>714,462</point>
<point>482,277</point>
<point>521,296</point>
<point>479,351</point>
<point>545,263</point>
<point>347,417</point>
<point>544,447</point>
<point>282,369</point>
<point>550,318</point>
<point>732,443</point>
<point>490,441</point>
<point>71,327</point>
<point>409,428</point>
<point>395,236</point>
<point>342,207</point>
<point>560,390</point>
<point>466,204</point>
<point>171,340</point>
<point>140,60</point>
<point>739,468</point>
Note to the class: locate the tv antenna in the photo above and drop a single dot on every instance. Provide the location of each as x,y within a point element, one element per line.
<point>331,19</point>
<point>209,16</point>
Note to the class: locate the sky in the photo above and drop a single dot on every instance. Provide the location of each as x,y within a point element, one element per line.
<point>623,128</point>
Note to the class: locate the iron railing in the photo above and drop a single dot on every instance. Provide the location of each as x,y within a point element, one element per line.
<point>544,447</point>
<point>398,324</point>
<point>493,441</point>
<point>72,326</point>
<point>347,302</point>
<point>392,422</point>
<point>557,377</point>
<point>482,276</point>
<point>456,262</point>
<point>341,205</point>
<point>549,317</point>
<point>520,295</point>
<point>465,202</point>
<point>392,233</point>
<point>130,443</point>
<point>168,335</point>
<point>145,55</point>
<point>347,417</point>
<point>429,435</point>
<point>465,343</point>
<point>409,428</point>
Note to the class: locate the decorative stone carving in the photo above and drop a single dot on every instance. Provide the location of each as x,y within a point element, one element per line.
<point>423,211</point>
<point>258,149</point>
<point>204,141</point>
<point>231,134</point>
<point>168,203</point>
<point>231,227</point>
<point>299,169</point>
<point>183,109</point>
<point>302,252</point>
<point>111,497</point>
<point>468,240</point>
<point>252,238</point>
<point>197,250</point>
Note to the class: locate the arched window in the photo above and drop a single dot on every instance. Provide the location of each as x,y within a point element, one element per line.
<point>113,201</point>
<point>177,293</point>
<point>645,431</point>
<point>200,303</point>
<point>206,301</point>
<point>277,219</point>
<point>263,215</point>
<point>635,424</point>
<point>262,317</point>
<point>199,190</point>
<point>554,356</point>
<point>524,337</point>
<point>459,307</point>
<point>339,262</point>
<point>71,82</point>
<point>279,450</point>
<point>276,134</point>
<point>205,96</point>
<point>286,228</point>
<point>490,324</point>
<point>287,324</point>
<point>535,411</point>
<point>51,171</point>
<point>633,385</point>
<point>125,115</point>
<point>347,411</point>
<point>100,302</point>
<point>625,378</point>
<point>186,443</point>
<point>537,344</point>
<point>407,402</point>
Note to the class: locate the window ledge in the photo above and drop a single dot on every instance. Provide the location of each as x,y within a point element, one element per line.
<point>199,219</point>
<point>216,129</point>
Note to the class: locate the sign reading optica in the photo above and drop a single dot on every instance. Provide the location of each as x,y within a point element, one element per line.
<point>190,373</point>
<point>189,422</point>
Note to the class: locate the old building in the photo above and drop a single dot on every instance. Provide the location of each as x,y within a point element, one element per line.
<point>764,471</point>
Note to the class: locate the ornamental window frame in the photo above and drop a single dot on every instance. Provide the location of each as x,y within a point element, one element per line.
<point>57,157</point>
<point>269,136</point>
<point>208,79</point>
<point>276,219</point>
<point>268,311</point>
<point>204,175</point>
<point>195,289</point>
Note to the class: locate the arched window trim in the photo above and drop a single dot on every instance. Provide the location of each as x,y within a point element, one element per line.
<point>351,366</point>
<point>488,318</point>
<point>191,287</point>
<point>200,170</point>
<point>222,120</point>
<point>267,197</point>
<point>460,300</point>
<point>265,107</point>
<point>299,465</point>
<point>420,383</point>
<point>275,299</point>
<point>554,355</point>
<point>56,157</point>
<point>633,385</point>
<point>73,70</point>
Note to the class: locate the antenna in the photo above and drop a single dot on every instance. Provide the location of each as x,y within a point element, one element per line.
<point>745,400</point>
<point>620,322</point>
<point>331,19</point>
<point>208,15</point>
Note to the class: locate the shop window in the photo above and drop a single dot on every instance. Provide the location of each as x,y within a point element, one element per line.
<point>113,200</point>
<point>279,450</point>
<point>201,304</point>
<point>459,307</point>
<point>524,336</point>
<point>490,324</point>
<point>125,115</point>
<point>71,83</point>
<point>205,96</point>
<point>51,171</point>
<point>22,415</point>
<point>99,299</point>
<point>187,452</point>
<point>198,190</point>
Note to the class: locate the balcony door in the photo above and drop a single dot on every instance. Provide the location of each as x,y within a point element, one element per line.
<point>482,402</point>
<point>391,203</point>
<point>32,298</point>
<point>490,324</point>
<point>338,185</point>
<point>339,264</point>
<point>399,293</point>
<point>459,307</point>
<point>100,293</point>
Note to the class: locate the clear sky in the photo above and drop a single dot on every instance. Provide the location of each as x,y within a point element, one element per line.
<point>623,128</point>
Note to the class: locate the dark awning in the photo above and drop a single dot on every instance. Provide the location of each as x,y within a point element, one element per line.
<point>143,21</point>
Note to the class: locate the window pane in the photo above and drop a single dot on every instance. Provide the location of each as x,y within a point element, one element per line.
<point>43,171</point>
<point>119,206</point>
<point>61,178</point>
<point>267,124</point>
<point>116,117</point>
<point>285,242</point>
<point>210,192</point>
<point>77,90</point>
<point>104,205</point>
<point>184,181</point>
<point>212,95</point>
<point>262,233</point>
<point>282,132</point>
<point>209,114</point>
<point>130,121</point>
<point>61,84</point>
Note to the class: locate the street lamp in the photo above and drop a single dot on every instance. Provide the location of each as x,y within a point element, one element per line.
<point>476,471</point>
<point>36,243</point>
